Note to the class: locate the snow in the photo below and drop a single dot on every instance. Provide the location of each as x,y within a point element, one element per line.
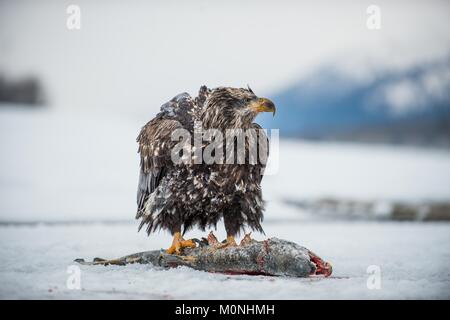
<point>82,167</point>
<point>413,258</point>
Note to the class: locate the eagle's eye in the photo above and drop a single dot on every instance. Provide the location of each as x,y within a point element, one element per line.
<point>245,101</point>
<point>248,96</point>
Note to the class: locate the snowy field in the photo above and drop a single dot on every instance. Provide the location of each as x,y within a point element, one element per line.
<point>413,258</point>
<point>82,168</point>
<point>60,166</point>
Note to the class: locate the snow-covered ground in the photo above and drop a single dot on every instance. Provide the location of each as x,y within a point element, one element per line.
<point>413,259</point>
<point>62,166</point>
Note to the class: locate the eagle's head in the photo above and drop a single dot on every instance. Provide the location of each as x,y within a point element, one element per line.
<point>228,108</point>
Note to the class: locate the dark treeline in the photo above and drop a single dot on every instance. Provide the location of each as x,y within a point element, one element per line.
<point>24,91</point>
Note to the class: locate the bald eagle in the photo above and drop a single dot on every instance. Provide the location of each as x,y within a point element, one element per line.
<point>180,196</point>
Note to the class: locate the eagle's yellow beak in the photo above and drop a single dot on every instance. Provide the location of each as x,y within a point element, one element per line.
<point>263,105</point>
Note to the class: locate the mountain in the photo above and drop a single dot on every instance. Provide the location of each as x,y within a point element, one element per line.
<point>410,106</point>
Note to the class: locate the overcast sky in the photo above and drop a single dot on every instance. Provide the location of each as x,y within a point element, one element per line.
<point>134,55</point>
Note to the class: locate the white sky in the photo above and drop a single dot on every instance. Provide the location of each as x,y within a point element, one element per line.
<point>132,56</point>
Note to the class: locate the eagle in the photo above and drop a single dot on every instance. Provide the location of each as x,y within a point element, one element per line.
<point>177,196</point>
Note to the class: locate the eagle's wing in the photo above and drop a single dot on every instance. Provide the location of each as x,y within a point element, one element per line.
<point>263,149</point>
<point>203,95</point>
<point>155,145</point>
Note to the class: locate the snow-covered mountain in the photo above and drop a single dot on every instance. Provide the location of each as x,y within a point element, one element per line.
<point>406,106</point>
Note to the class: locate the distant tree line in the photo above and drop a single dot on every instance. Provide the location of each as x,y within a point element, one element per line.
<point>25,91</point>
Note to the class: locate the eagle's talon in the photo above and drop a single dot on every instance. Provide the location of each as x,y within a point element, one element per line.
<point>188,244</point>
<point>229,242</point>
<point>179,243</point>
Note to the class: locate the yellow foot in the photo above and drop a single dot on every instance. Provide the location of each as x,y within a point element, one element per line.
<point>230,242</point>
<point>179,243</point>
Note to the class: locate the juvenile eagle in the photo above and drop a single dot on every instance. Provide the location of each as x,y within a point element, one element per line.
<point>178,197</point>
